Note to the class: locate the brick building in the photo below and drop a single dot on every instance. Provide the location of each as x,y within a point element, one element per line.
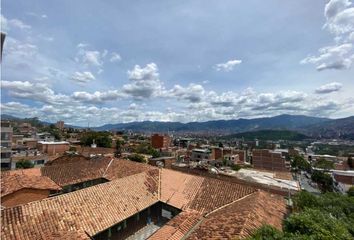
<point>60,125</point>
<point>268,160</point>
<point>160,141</point>
<point>6,144</point>
<point>53,148</point>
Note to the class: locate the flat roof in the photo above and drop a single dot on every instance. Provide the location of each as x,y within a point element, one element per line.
<point>53,143</point>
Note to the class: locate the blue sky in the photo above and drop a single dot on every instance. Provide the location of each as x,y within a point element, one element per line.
<point>96,62</point>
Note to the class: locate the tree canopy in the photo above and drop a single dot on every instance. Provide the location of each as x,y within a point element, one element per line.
<point>328,216</point>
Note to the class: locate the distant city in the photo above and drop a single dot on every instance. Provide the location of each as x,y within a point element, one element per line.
<point>177,120</point>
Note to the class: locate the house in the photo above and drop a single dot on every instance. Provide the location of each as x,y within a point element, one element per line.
<point>53,148</point>
<point>160,141</point>
<point>200,155</point>
<point>156,202</point>
<point>269,160</point>
<point>162,161</point>
<point>23,186</point>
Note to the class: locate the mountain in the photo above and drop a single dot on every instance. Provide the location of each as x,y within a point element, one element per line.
<point>268,135</point>
<point>337,128</point>
<point>222,126</point>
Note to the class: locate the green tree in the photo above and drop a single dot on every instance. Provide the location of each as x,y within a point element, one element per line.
<point>102,139</point>
<point>299,163</point>
<point>119,144</point>
<point>304,200</point>
<point>136,158</point>
<point>316,224</point>
<point>324,164</point>
<point>267,232</point>
<point>350,162</point>
<point>350,192</point>
<point>24,164</point>
<point>324,180</point>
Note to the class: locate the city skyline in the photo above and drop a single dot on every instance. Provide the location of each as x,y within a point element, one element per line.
<point>176,61</point>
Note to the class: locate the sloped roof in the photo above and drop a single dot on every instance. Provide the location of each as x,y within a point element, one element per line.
<point>12,181</point>
<point>65,159</point>
<point>210,207</point>
<point>75,172</point>
<point>178,227</point>
<point>239,219</point>
<point>185,191</point>
<point>90,210</point>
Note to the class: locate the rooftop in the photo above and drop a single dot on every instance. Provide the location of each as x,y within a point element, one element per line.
<point>94,209</point>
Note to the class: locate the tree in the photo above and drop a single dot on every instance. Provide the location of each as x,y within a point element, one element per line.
<point>24,164</point>
<point>304,200</point>
<point>102,139</point>
<point>119,144</point>
<point>324,180</point>
<point>300,163</point>
<point>350,192</point>
<point>350,162</point>
<point>324,164</point>
<point>316,224</point>
<point>267,232</point>
<point>136,158</point>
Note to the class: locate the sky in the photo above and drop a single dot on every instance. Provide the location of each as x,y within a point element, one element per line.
<point>93,62</point>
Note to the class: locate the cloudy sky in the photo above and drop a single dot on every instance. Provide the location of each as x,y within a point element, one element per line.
<point>95,62</point>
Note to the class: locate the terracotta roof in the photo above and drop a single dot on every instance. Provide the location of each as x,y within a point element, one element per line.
<point>122,168</point>
<point>178,227</point>
<point>185,191</point>
<point>75,172</point>
<point>12,181</point>
<point>239,219</point>
<point>92,209</point>
<point>211,208</point>
<point>65,159</point>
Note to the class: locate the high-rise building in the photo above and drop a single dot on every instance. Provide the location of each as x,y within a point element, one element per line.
<point>60,125</point>
<point>6,141</point>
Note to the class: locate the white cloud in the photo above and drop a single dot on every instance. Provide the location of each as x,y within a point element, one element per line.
<point>33,91</point>
<point>340,22</point>
<point>192,93</point>
<point>83,77</point>
<point>92,58</point>
<point>145,82</point>
<point>8,24</point>
<point>328,88</point>
<point>16,23</point>
<point>97,97</point>
<point>115,57</point>
<point>228,66</point>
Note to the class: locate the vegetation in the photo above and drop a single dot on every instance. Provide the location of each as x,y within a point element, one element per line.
<point>235,167</point>
<point>350,162</point>
<point>351,191</point>
<point>269,135</point>
<point>335,150</point>
<point>146,148</point>
<point>24,164</point>
<point>136,158</point>
<point>300,163</point>
<point>54,131</point>
<point>324,180</point>
<point>328,216</point>
<point>119,144</point>
<point>102,139</point>
<point>324,164</point>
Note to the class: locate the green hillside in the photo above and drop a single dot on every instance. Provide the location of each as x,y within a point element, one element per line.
<point>269,135</point>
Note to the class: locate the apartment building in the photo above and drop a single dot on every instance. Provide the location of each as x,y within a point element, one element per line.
<point>6,142</point>
<point>160,141</point>
<point>268,160</point>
